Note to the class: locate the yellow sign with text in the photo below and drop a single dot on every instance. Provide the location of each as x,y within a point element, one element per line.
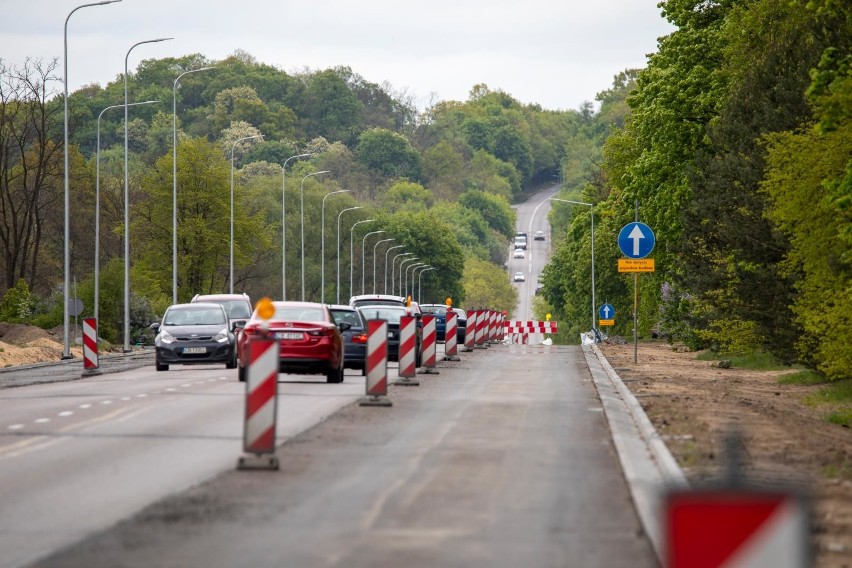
<point>606,322</point>
<point>636,265</point>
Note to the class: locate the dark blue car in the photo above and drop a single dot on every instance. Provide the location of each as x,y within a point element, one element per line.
<point>440,313</point>
<point>354,338</point>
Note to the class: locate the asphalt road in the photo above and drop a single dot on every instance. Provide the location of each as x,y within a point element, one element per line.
<point>531,217</point>
<point>503,459</point>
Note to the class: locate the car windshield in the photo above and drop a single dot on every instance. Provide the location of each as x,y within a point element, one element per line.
<point>347,316</point>
<point>376,302</point>
<point>392,315</point>
<point>236,309</point>
<point>194,316</point>
<point>296,313</point>
<point>434,310</point>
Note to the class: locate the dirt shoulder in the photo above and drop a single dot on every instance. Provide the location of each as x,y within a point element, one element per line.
<point>693,404</point>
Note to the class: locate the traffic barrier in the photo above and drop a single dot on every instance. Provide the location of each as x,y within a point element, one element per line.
<point>451,336</point>
<point>90,347</point>
<point>492,322</point>
<point>430,336</point>
<point>407,352</point>
<point>479,338</point>
<point>530,327</point>
<point>470,330</point>
<point>377,364</point>
<point>261,405</point>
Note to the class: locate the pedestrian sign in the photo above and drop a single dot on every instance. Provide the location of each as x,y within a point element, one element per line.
<point>636,240</point>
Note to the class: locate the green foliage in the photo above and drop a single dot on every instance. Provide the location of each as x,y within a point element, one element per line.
<point>18,303</point>
<point>493,208</point>
<point>731,337</point>
<point>408,196</point>
<point>389,153</point>
<point>485,285</point>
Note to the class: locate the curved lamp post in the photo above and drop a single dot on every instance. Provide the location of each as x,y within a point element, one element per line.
<point>393,267</point>
<point>374,259</point>
<point>284,222</point>
<point>339,215</point>
<point>127,202</point>
<point>302,216</point>
<point>364,257</point>
<point>98,200</point>
<point>592,206</point>
<point>322,239</point>
<point>231,264</point>
<point>412,268</point>
<point>412,259</point>
<point>66,320</point>
<point>352,252</point>
<point>174,179</point>
<point>387,252</point>
<point>419,276</point>
<point>413,274</point>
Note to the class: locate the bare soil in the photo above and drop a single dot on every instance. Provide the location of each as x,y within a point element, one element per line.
<point>24,344</point>
<point>695,404</point>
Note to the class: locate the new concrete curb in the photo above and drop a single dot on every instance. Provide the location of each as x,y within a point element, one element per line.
<point>648,465</point>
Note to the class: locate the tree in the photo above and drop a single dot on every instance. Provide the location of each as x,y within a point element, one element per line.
<point>486,286</point>
<point>389,153</point>
<point>330,108</point>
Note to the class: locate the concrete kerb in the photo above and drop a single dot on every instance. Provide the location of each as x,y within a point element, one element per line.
<point>648,466</point>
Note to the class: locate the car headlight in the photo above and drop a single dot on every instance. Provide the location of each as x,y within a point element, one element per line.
<point>222,336</point>
<point>165,337</point>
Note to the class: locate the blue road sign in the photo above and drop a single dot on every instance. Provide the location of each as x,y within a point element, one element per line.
<point>636,240</point>
<point>606,312</point>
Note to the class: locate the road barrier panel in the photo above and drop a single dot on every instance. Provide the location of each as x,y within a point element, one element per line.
<point>91,363</point>
<point>451,341</point>
<point>479,337</point>
<point>430,336</point>
<point>261,408</point>
<point>470,330</point>
<point>407,352</point>
<point>493,336</point>
<point>377,364</point>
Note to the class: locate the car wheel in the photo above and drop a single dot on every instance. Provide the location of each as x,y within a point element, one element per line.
<point>241,374</point>
<point>161,367</point>
<point>232,364</point>
<point>364,370</point>
<point>334,375</point>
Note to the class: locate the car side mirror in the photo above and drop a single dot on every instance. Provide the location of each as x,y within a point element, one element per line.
<point>344,326</point>
<point>238,324</point>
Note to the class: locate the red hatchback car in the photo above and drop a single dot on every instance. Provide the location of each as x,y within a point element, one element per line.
<point>309,341</point>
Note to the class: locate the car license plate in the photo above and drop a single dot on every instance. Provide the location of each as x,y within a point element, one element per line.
<point>191,350</point>
<point>288,335</point>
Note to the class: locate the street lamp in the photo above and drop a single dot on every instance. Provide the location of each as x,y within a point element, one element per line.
<point>322,238</point>
<point>66,351</point>
<point>127,202</point>
<point>423,267</point>
<point>374,259</point>
<point>339,215</point>
<point>393,266</point>
<point>592,206</point>
<point>419,276</point>
<point>302,215</point>
<point>412,259</point>
<point>231,263</point>
<point>98,199</point>
<point>284,223</point>
<point>412,268</point>
<point>364,258</point>
<point>387,252</point>
<point>352,251</point>
<point>174,179</point>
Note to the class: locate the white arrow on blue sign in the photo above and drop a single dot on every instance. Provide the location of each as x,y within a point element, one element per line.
<point>636,240</point>
<point>606,312</point>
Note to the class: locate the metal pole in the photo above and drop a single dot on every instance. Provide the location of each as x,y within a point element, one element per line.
<point>352,252</point>
<point>127,202</point>
<point>393,267</point>
<point>284,223</point>
<point>98,202</point>
<point>364,258</point>
<point>339,215</point>
<point>592,207</point>
<point>66,319</point>
<point>419,276</point>
<point>387,252</point>
<point>413,268</point>
<point>231,256</point>
<point>374,259</point>
<point>412,259</point>
<point>421,268</point>
<point>174,180</point>
<point>302,215</point>
<point>322,246</point>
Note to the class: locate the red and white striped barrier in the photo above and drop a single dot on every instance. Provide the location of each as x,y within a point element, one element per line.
<point>451,336</point>
<point>530,327</point>
<point>407,351</point>
<point>377,364</point>
<point>261,405</point>
<point>90,345</point>
<point>430,336</point>
<point>492,323</point>
<point>470,330</point>
<point>479,337</point>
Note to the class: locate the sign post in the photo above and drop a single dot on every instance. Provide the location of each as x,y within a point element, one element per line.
<point>636,241</point>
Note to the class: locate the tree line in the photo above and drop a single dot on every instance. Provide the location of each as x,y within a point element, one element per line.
<point>439,181</point>
<point>738,149</point>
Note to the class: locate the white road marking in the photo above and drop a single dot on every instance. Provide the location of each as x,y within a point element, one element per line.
<point>85,406</point>
<point>16,426</point>
<point>66,413</point>
<point>42,420</point>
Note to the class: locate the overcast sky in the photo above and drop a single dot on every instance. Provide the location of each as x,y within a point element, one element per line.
<point>557,53</point>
